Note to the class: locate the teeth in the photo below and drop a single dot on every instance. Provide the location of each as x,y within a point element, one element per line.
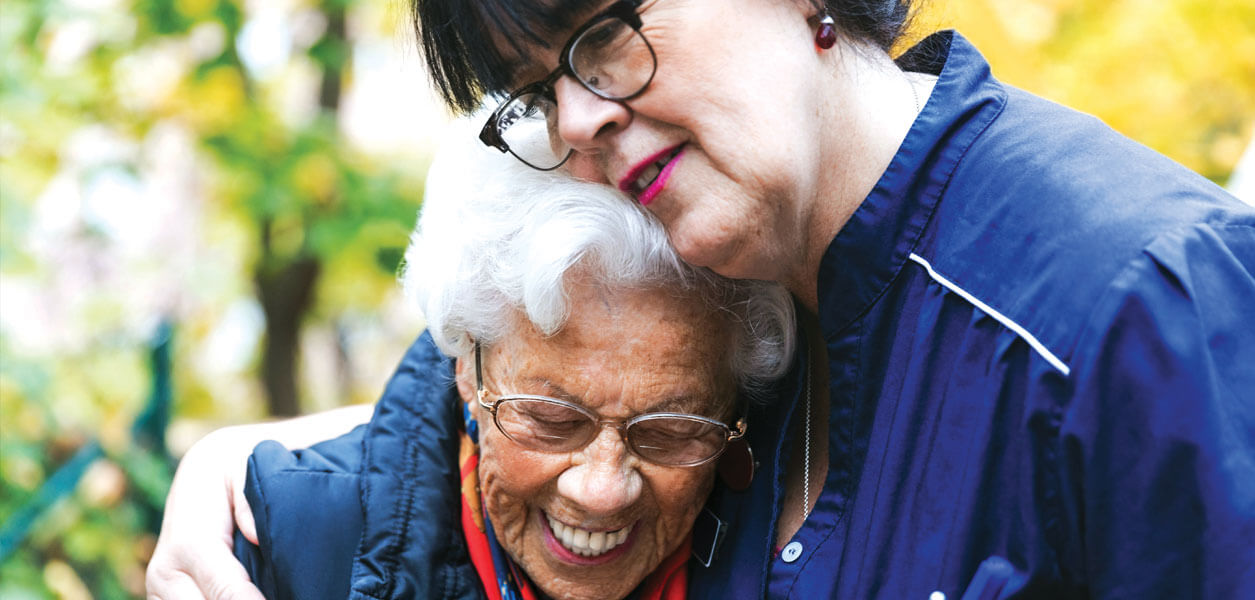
<point>587,543</point>
<point>650,173</point>
<point>647,177</point>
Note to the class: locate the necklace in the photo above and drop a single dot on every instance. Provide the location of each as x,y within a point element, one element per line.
<point>806,453</point>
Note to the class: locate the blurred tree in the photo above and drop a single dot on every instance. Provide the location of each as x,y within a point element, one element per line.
<point>183,158</point>
<point>298,181</point>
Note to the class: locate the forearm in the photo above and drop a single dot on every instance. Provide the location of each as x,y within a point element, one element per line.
<point>304,431</point>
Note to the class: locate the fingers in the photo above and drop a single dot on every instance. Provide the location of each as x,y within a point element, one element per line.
<point>243,512</point>
<point>219,577</point>
<point>222,577</point>
<point>197,563</point>
<point>193,558</point>
<point>164,584</point>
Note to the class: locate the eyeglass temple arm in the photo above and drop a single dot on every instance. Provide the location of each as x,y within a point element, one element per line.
<point>479,380</point>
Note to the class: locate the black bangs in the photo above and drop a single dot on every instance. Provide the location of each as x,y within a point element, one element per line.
<point>459,38</point>
<point>458,41</point>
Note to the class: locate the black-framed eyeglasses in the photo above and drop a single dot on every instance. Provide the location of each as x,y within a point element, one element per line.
<point>552,425</point>
<point>608,55</point>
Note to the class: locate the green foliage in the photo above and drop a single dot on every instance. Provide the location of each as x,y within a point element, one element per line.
<point>88,92</point>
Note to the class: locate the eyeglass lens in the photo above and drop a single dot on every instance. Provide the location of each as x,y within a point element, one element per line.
<point>525,127</point>
<point>610,59</point>
<point>551,426</point>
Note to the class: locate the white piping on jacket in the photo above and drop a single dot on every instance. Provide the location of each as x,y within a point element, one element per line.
<point>1001,318</point>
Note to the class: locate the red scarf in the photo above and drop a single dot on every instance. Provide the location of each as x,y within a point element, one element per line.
<point>668,582</point>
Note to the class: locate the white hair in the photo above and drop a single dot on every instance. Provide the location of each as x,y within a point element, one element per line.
<point>495,236</point>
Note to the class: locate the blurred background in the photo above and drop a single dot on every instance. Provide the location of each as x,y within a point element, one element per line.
<point>203,205</point>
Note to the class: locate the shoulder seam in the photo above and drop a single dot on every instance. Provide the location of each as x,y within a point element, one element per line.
<point>1006,321</point>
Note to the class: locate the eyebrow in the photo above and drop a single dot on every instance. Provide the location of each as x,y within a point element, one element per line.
<point>675,404</point>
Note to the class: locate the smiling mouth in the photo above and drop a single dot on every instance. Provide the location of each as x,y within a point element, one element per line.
<point>644,176</point>
<point>587,543</point>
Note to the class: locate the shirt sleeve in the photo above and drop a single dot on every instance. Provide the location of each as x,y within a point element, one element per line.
<point>1158,441</point>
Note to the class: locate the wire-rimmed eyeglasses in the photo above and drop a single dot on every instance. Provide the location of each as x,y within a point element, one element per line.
<point>608,55</point>
<point>553,425</point>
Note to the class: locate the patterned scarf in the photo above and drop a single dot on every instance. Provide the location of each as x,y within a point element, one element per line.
<point>502,579</point>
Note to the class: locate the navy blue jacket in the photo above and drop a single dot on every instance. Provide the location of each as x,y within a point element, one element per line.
<point>375,513</point>
<point>1041,348</point>
<point>1041,343</point>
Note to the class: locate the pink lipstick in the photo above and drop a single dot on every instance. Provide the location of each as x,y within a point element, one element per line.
<point>648,178</point>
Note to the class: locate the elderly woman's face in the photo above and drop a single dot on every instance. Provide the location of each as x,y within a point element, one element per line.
<point>621,353</point>
<point>722,145</point>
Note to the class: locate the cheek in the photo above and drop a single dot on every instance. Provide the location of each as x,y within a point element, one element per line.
<point>513,482</point>
<point>680,497</point>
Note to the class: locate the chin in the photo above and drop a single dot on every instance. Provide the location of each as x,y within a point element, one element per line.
<point>565,590</point>
<point>701,251</point>
<point>723,251</point>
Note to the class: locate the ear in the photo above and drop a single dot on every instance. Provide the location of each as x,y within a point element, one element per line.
<point>464,373</point>
<point>811,7</point>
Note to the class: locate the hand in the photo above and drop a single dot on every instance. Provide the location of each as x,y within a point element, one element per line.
<point>193,558</point>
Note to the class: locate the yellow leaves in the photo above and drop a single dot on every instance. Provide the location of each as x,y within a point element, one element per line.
<point>195,9</point>
<point>1177,75</point>
<point>64,581</point>
<point>315,176</point>
<point>357,263</point>
<point>1027,21</point>
<point>213,102</point>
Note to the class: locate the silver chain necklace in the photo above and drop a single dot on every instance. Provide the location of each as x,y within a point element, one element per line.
<point>806,453</point>
<point>806,438</point>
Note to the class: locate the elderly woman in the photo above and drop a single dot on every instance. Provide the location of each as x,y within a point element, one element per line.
<point>599,380</point>
<point>1029,338</point>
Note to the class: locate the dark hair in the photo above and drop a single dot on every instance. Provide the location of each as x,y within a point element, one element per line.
<point>880,22</point>
<point>465,64</point>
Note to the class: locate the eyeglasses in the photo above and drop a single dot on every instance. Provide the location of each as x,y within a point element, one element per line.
<point>552,425</point>
<point>608,55</point>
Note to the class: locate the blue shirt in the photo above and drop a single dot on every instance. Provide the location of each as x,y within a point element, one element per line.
<point>1041,349</point>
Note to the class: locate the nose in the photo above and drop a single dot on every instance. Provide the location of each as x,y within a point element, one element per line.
<point>586,120</point>
<point>604,478</point>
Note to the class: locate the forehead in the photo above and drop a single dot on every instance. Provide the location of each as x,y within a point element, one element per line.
<point>647,349</point>
<point>524,32</point>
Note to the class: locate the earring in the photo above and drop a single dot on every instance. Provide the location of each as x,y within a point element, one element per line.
<point>826,34</point>
<point>737,465</point>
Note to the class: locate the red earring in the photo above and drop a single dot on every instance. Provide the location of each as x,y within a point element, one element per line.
<point>826,35</point>
<point>737,466</point>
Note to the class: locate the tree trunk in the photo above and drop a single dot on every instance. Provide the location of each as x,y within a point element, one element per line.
<point>286,296</point>
<point>286,288</point>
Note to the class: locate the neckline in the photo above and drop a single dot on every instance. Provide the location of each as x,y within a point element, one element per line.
<point>869,251</point>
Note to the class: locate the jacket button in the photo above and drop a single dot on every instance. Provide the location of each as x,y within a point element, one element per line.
<point>791,552</point>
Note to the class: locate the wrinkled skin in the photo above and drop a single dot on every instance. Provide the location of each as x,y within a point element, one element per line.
<point>621,354</point>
